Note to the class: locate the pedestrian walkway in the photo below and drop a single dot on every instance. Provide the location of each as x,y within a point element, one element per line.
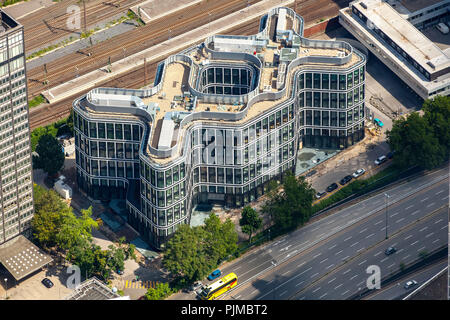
<point>154,9</point>
<point>22,9</point>
<point>173,45</point>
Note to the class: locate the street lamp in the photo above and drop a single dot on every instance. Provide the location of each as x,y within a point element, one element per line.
<point>386,198</point>
<point>6,286</point>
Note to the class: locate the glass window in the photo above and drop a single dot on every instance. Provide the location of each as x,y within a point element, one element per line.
<point>308,80</point>
<point>316,99</point>
<point>349,80</point>
<point>342,85</point>
<point>93,129</point>
<point>119,133</point>
<point>127,131</point>
<point>342,100</point>
<point>110,130</point>
<point>325,81</point>
<point>101,130</point>
<point>316,80</point>
<point>325,100</point>
<point>301,81</point>
<point>334,81</point>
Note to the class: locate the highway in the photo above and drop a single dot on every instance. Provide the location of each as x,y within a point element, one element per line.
<point>293,262</point>
<point>396,290</point>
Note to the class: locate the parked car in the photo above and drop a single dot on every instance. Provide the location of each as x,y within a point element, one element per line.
<point>390,251</point>
<point>380,160</point>
<point>358,173</point>
<point>215,274</point>
<point>442,28</point>
<point>378,122</point>
<point>390,154</point>
<point>345,180</point>
<point>47,282</point>
<point>410,283</point>
<point>332,187</point>
<point>320,194</point>
<point>311,173</point>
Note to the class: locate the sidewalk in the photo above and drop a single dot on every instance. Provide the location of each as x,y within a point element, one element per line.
<point>24,8</point>
<point>171,46</point>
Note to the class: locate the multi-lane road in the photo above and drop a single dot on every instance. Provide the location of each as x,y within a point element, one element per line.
<point>327,259</point>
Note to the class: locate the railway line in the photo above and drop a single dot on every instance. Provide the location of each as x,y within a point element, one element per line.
<point>50,24</point>
<point>310,10</point>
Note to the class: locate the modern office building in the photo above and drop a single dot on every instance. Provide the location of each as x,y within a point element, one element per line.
<point>16,187</point>
<point>392,38</point>
<point>222,119</point>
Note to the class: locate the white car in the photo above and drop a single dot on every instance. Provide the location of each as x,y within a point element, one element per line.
<point>358,173</point>
<point>380,160</point>
<point>410,284</point>
<point>442,28</point>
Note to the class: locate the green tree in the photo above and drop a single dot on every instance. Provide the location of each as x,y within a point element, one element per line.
<point>161,291</point>
<point>250,221</point>
<point>51,156</point>
<point>415,144</point>
<point>437,114</point>
<point>293,205</point>
<point>221,239</point>
<point>47,220</point>
<point>185,254</point>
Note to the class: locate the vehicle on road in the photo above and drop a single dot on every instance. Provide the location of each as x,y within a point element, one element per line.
<point>345,180</point>
<point>215,274</point>
<point>311,173</point>
<point>358,173</point>
<point>320,194</point>
<point>196,287</point>
<point>381,160</point>
<point>214,290</point>
<point>442,28</point>
<point>47,282</point>
<point>410,283</point>
<point>390,251</point>
<point>378,122</point>
<point>332,187</point>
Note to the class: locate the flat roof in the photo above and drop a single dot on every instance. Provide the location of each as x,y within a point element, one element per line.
<point>7,22</point>
<point>92,289</point>
<point>404,34</point>
<point>21,257</point>
<point>415,5</point>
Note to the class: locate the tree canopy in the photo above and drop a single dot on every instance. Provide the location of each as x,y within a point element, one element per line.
<point>192,252</point>
<point>51,156</point>
<point>250,221</point>
<point>422,141</point>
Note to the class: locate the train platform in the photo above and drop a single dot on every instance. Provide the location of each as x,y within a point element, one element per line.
<point>171,46</point>
<point>154,9</point>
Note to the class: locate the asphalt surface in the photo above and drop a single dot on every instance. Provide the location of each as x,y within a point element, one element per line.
<point>396,290</point>
<point>276,270</point>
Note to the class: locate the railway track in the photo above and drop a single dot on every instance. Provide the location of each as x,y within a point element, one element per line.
<point>311,10</point>
<point>50,23</point>
<point>68,67</point>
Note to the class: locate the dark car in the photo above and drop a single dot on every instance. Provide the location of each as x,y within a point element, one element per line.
<point>345,180</point>
<point>332,187</point>
<point>47,282</point>
<point>390,251</point>
<point>215,274</point>
<point>390,155</point>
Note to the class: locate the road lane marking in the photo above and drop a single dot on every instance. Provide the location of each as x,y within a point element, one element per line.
<point>299,283</point>
<point>339,252</point>
<point>314,275</point>
<point>438,221</point>
<point>407,257</point>
<point>348,238</point>
<point>400,250</point>
<point>431,204</point>
<point>323,295</point>
<point>415,242</point>
<point>418,250</point>
<point>429,235</point>
<point>394,214</point>
<point>424,199</point>
<point>439,192</point>
<point>362,262</point>
<point>335,288</point>
<point>345,292</point>
<point>323,260</point>
<point>283,274</point>
<point>415,212</point>
<point>360,249</point>
<point>399,220</point>
<point>331,280</point>
<point>424,228</point>
<point>317,255</point>
<point>316,290</point>
<point>346,258</point>
<point>410,236</point>
<point>444,227</point>
<point>364,230</point>
<point>284,292</point>
<point>376,254</point>
<point>347,271</point>
<point>353,277</point>
<point>332,247</point>
<point>329,266</point>
<point>436,240</point>
<point>391,265</point>
<point>354,244</point>
<point>409,207</point>
<point>384,259</point>
<point>381,221</point>
<point>370,235</point>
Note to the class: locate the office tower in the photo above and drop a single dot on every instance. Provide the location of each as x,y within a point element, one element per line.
<point>16,187</point>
